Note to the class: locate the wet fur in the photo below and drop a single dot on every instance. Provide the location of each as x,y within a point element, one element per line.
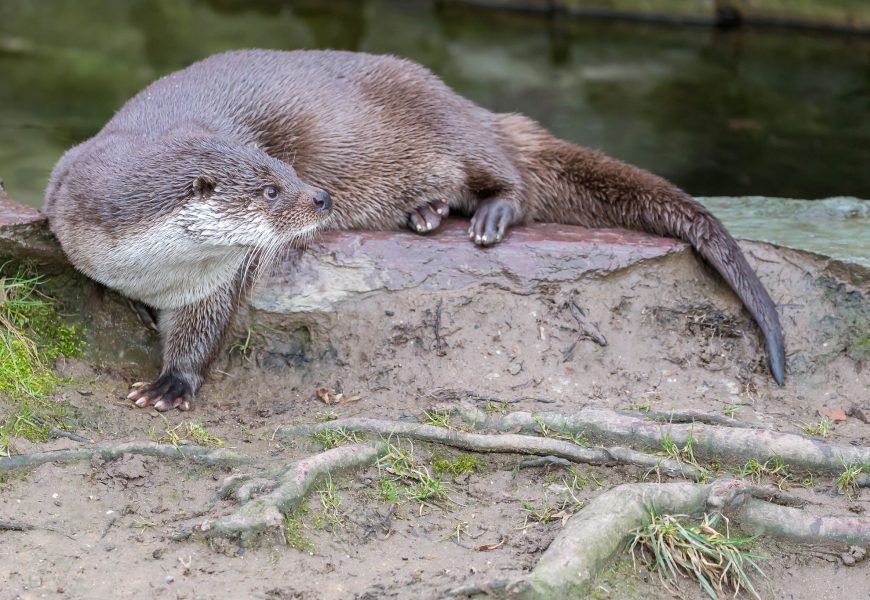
<point>384,136</point>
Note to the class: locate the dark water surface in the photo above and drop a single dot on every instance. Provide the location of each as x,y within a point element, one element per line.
<point>720,113</point>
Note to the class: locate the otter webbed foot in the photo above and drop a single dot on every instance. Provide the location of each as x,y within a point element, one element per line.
<point>490,221</point>
<point>171,390</point>
<point>428,217</point>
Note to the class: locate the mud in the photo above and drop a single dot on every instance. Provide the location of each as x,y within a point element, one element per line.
<point>675,339</point>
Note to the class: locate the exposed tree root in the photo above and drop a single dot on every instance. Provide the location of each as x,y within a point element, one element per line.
<point>590,540</point>
<point>267,512</point>
<point>593,537</point>
<point>197,454</point>
<point>728,444</point>
<point>506,442</point>
<point>795,525</point>
<point>692,416</point>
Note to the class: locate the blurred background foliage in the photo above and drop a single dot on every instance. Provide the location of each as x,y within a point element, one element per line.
<point>749,111</point>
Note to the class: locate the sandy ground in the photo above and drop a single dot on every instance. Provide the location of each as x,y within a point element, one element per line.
<point>677,339</point>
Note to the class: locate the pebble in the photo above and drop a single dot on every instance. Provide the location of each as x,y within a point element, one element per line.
<point>855,555</point>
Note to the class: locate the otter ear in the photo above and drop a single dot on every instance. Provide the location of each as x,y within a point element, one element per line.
<point>203,186</point>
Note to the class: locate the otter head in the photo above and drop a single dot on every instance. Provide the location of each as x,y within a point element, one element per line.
<point>236,195</point>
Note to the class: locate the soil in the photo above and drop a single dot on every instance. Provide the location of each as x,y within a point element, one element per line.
<point>676,339</point>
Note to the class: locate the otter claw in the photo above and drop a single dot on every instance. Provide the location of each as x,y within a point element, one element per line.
<point>170,390</point>
<point>146,314</point>
<point>490,222</point>
<point>428,217</point>
<point>163,405</point>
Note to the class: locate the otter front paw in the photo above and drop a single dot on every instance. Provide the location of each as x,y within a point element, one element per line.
<point>428,218</point>
<point>490,221</point>
<point>171,390</point>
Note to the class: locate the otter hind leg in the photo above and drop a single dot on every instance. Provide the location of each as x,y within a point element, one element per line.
<point>491,220</point>
<point>495,191</point>
<point>429,216</point>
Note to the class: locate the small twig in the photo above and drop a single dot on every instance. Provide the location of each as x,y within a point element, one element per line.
<point>588,330</point>
<point>383,524</point>
<point>108,527</point>
<point>13,525</point>
<point>57,432</point>
<point>439,343</point>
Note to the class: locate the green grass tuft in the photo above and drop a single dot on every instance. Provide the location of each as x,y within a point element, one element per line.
<point>847,481</point>
<point>406,479</point>
<point>330,515</point>
<point>774,467</point>
<point>545,430</point>
<point>186,432</point>
<point>497,408</point>
<point>32,337</point>
<point>437,418</point>
<point>674,548</point>
<point>333,438</point>
<point>822,429</point>
<point>294,533</point>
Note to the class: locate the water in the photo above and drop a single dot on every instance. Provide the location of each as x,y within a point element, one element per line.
<point>719,113</point>
<point>835,227</point>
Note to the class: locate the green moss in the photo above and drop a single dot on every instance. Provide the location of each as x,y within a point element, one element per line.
<point>462,464</point>
<point>859,349</point>
<point>620,580</point>
<point>32,337</point>
<point>294,533</point>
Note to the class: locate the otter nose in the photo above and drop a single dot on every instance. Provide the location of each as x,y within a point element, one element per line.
<point>322,202</point>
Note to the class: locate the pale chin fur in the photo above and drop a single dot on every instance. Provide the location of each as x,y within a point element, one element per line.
<point>267,256</point>
<point>205,221</point>
<point>302,237</point>
<point>189,256</point>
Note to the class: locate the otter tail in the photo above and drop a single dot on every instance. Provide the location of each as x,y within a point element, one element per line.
<point>575,185</point>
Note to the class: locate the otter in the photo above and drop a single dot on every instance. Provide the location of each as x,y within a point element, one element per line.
<point>191,189</point>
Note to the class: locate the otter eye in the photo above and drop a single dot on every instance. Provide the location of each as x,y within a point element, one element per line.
<point>270,192</point>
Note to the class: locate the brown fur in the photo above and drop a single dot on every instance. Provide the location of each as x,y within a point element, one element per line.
<point>390,142</point>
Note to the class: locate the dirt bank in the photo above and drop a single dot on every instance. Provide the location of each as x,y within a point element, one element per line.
<point>393,325</point>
